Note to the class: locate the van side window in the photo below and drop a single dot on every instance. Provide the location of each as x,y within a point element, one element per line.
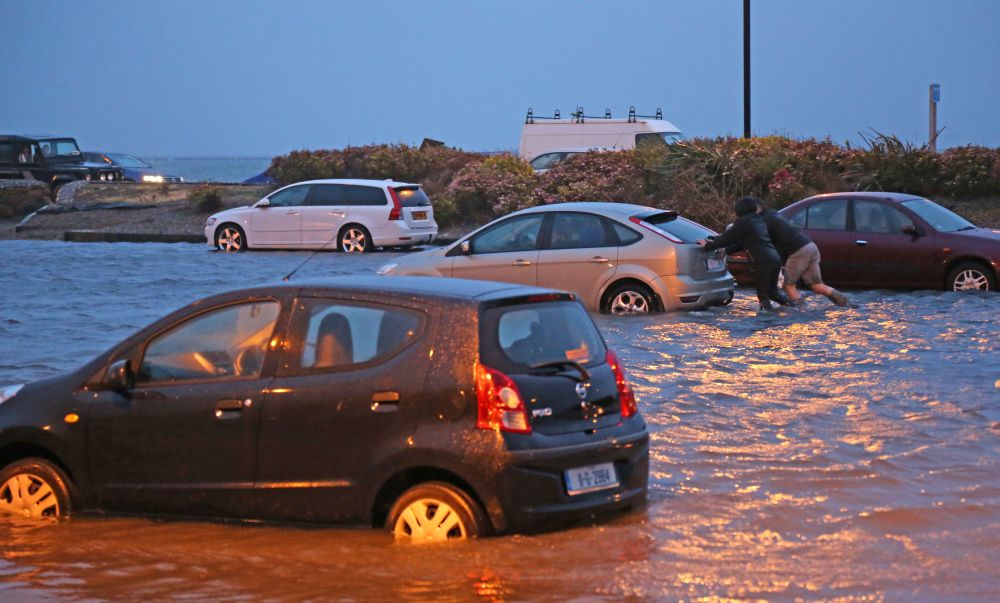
<point>366,195</point>
<point>289,197</point>
<point>327,194</point>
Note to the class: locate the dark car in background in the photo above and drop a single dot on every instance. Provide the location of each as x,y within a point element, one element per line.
<point>892,240</point>
<point>437,409</point>
<point>55,160</point>
<point>133,168</point>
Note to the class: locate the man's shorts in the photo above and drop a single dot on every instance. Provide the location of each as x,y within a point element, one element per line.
<point>804,264</point>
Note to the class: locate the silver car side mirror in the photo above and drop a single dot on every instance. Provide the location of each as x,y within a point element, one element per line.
<point>263,204</point>
<point>466,247</point>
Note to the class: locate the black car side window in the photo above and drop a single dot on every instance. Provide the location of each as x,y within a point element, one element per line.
<point>515,234</point>
<point>827,215</point>
<point>366,195</point>
<point>578,231</point>
<point>289,197</point>
<point>330,335</point>
<point>225,343</point>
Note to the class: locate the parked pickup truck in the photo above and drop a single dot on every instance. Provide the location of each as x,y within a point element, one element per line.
<point>55,160</point>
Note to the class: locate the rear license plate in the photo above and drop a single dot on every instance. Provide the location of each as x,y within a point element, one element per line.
<point>591,478</point>
<point>714,263</point>
<point>419,215</point>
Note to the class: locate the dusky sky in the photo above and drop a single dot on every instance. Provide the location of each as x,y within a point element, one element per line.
<point>247,78</point>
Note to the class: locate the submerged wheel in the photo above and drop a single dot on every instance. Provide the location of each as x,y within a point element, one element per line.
<point>629,298</point>
<point>230,237</point>
<point>34,488</point>
<point>354,239</point>
<point>971,276</point>
<point>436,512</point>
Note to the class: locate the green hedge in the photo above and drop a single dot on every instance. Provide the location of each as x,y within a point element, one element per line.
<point>700,177</point>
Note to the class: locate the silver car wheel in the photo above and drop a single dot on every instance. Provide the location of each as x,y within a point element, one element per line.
<point>29,496</point>
<point>629,302</point>
<point>429,520</point>
<point>971,279</point>
<point>229,239</point>
<point>354,240</point>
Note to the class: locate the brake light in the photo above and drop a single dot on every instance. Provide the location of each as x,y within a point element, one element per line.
<point>648,226</point>
<point>500,405</point>
<point>626,397</point>
<point>396,213</point>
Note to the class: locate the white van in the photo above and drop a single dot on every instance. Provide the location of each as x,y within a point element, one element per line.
<point>547,134</point>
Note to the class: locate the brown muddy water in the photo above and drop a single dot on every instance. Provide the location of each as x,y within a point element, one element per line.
<point>821,455</point>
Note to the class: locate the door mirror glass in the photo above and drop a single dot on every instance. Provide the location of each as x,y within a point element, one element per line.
<point>911,230</point>
<point>118,377</point>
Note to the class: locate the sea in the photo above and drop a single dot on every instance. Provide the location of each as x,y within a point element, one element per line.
<point>211,169</point>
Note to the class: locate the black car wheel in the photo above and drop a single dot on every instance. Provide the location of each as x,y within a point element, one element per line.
<point>971,276</point>
<point>629,298</point>
<point>34,488</point>
<point>436,512</point>
<point>230,237</point>
<point>354,239</point>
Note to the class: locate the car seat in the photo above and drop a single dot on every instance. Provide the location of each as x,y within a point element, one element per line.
<point>334,343</point>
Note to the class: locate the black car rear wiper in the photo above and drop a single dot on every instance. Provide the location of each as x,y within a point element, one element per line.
<point>565,364</point>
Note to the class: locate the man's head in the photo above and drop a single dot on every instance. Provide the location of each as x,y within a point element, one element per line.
<point>746,205</point>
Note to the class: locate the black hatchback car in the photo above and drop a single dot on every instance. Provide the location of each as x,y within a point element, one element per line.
<point>436,408</point>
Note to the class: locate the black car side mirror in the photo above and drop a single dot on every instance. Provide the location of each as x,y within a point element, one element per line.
<point>912,230</point>
<point>118,377</point>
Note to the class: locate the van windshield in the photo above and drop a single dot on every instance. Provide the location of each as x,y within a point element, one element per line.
<point>655,138</point>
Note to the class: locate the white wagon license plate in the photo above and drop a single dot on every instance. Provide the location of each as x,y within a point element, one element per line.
<point>714,263</point>
<point>590,479</point>
<point>419,215</point>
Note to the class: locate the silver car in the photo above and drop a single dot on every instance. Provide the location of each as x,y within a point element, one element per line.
<point>618,258</point>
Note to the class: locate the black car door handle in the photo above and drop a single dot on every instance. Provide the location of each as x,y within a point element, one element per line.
<point>231,408</point>
<point>385,401</point>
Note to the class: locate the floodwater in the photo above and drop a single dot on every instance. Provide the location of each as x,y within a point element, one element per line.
<point>832,454</point>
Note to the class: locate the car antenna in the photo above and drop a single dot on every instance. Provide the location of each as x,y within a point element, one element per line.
<point>311,256</point>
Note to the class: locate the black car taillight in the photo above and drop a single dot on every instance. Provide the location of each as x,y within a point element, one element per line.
<point>396,213</point>
<point>501,407</point>
<point>626,397</point>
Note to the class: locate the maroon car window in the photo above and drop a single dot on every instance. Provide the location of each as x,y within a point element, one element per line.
<point>827,215</point>
<point>879,218</point>
<point>798,219</point>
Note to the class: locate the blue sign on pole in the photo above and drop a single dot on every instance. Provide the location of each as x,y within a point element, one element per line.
<point>935,93</point>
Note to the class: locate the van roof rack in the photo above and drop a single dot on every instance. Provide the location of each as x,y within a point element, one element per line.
<point>579,116</point>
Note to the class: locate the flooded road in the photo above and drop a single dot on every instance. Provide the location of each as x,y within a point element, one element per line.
<point>825,454</point>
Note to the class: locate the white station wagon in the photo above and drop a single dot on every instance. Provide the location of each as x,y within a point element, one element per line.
<point>348,215</point>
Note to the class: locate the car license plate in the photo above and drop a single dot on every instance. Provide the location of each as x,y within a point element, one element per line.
<point>714,263</point>
<point>419,215</point>
<point>591,478</point>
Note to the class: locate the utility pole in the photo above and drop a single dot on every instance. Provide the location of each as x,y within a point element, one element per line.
<point>746,68</point>
<point>935,98</point>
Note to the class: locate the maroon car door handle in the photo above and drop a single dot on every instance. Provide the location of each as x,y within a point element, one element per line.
<point>860,243</point>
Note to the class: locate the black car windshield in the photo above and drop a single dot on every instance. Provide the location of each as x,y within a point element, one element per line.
<point>59,147</point>
<point>943,220</point>
<point>128,161</point>
<point>538,334</point>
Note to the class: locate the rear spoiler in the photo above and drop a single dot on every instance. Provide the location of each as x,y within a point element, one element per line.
<point>660,216</point>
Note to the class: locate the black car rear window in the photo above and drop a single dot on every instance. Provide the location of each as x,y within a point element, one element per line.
<point>527,335</point>
<point>412,196</point>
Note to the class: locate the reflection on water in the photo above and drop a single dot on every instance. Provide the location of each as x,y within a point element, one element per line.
<point>828,454</point>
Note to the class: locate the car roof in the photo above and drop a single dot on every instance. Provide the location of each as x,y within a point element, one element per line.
<point>607,208</point>
<point>358,181</point>
<point>31,137</point>
<point>576,150</point>
<point>407,287</point>
<point>884,196</point>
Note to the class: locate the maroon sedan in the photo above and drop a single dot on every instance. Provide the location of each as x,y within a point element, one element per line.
<point>892,240</point>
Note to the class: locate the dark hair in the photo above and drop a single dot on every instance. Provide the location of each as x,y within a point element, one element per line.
<point>745,205</point>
